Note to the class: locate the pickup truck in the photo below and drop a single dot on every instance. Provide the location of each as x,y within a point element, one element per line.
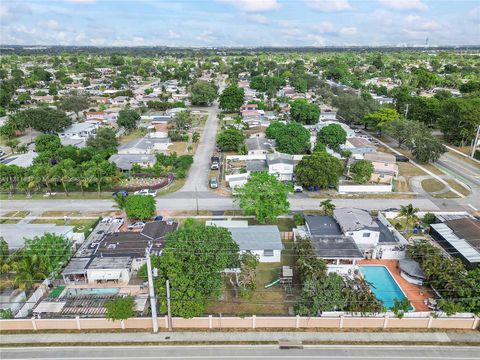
<point>215,163</point>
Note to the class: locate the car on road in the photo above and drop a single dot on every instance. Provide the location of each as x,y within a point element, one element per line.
<point>120,192</point>
<point>146,192</point>
<point>136,225</point>
<point>213,183</point>
<point>158,218</point>
<point>357,131</point>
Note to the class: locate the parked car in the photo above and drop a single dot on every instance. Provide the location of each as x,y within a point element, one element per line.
<point>401,158</point>
<point>136,225</point>
<point>215,163</point>
<point>213,183</point>
<point>120,192</point>
<point>146,192</point>
<point>297,188</point>
<point>357,131</point>
<point>158,218</point>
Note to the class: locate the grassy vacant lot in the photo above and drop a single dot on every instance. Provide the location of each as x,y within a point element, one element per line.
<point>432,185</point>
<point>272,301</point>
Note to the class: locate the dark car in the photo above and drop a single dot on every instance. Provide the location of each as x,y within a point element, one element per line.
<point>401,158</point>
<point>158,218</point>
<point>120,192</point>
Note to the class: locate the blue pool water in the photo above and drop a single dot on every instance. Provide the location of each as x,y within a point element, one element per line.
<point>382,284</point>
<point>91,291</point>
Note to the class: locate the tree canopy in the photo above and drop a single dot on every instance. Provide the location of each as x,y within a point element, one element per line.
<point>320,169</point>
<point>140,207</point>
<point>232,98</point>
<point>230,139</point>
<point>263,196</point>
<point>332,135</point>
<point>121,308</point>
<point>193,259</point>
<point>203,92</point>
<point>291,138</point>
<point>304,112</point>
<point>361,171</point>
<point>128,119</point>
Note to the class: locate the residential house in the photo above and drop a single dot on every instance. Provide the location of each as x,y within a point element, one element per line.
<point>120,100</point>
<point>145,145</point>
<point>340,252</point>
<point>460,237</point>
<point>385,168</point>
<point>23,160</point>
<point>15,234</point>
<point>124,162</point>
<point>79,131</point>
<point>259,146</point>
<point>264,241</point>
<point>372,237</point>
<point>112,257</point>
<point>280,165</point>
<point>358,146</point>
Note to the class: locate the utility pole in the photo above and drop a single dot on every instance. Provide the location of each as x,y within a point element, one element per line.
<point>153,299</point>
<point>406,111</point>
<point>475,142</point>
<point>169,309</point>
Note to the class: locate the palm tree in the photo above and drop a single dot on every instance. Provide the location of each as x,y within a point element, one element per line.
<point>327,207</point>
<point>409,213</point>
<point>28,271</point>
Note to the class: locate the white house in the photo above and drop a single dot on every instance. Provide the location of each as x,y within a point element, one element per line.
<point>358,224</point>
<point>81,130</point>
<point>280,165</point>
<point>262,240</point>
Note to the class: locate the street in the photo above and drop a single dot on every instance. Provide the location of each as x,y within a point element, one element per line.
<point>244,352</point>
<point>206,201</point>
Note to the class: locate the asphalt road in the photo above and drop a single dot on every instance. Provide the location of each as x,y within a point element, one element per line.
<point>244,352</point>
<point>197,179</point>
<point>206,201</point>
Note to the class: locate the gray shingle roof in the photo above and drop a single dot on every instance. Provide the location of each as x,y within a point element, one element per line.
<point>279,158</point>
<point>352,219</point>
<point>322,225</point>
<point>411,267</point>
<point>125,161</point>
<point>257,237</point>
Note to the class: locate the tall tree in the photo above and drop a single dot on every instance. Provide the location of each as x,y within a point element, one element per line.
<point>140,207</point>
<point>361,171</point>
<point>74,101</point>
<point>304,112</point>
<point>320,169</point>
<point>232,98</point>
<point>128,119</point>
<point>203,93</point>
<point>327,207</point>
<point>263,196</point>
<point>193,260</point>
<point>332,135</point>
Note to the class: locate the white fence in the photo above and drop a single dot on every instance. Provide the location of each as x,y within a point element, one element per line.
<point>358,188</point>
<point>32,300</point>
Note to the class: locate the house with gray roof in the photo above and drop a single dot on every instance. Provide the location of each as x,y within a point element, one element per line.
<point>262,240</point>
<point>259,146</point>
<point>280,165</point>
<point>145,145</point>
<point>125,161</point>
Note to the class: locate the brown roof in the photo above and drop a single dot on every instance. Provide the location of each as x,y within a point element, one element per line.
<point>468,229</point>
<point>127,243</point>
<point>360,142</point>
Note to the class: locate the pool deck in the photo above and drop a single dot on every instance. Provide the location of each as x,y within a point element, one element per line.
<point>415,293</point>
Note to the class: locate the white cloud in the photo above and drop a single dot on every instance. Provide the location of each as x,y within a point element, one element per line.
<point>324,27</point>
<point>257,18</point>
<point>51,24</point>
<point>474,13</point>
<point>173,35</point>
<point>329,5</point>
<point>292,32</point>
<point>348,31</point>
<point>404,4</point>
<point>315,40</point>
<point>254,5</point>
<point>416,22</point>
<point>206,36</point>
<point>5,11</point>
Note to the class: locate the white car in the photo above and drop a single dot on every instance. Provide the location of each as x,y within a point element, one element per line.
<point>297,188</point>
<point>146,192</point>
<point>136,225</point>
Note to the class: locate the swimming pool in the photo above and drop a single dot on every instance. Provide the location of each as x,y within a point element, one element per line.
<point>91,291</point>
<point>382,284</point>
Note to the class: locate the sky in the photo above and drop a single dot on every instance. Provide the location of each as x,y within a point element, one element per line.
<point>239,23</point>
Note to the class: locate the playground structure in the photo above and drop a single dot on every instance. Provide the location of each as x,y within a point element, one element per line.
<point>285,279</point>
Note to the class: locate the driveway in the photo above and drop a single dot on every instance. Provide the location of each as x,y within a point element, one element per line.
<point>197,179</point>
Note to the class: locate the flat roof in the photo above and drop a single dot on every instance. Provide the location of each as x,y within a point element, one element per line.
<point>468,229</point>
<point>461,245</point>
<point>256,165</point>
<point>158,229</point>
<point>15,234</point>
<point>322,225</point>
<point>76,266</point>
<point>335,247</point>
<point>110,262</point>
<point>127,243</point>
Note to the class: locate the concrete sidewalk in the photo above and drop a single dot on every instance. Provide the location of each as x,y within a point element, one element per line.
<point>448,338</point>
